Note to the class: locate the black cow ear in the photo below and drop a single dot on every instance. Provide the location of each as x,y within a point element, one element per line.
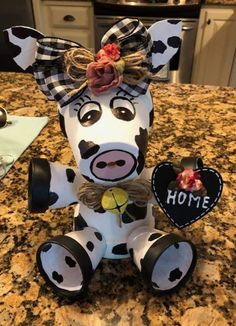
<point>165,36</point>
<point>22,42</point>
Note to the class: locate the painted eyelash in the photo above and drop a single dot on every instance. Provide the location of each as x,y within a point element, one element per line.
<point>83,102</point>
<point>125,94</point>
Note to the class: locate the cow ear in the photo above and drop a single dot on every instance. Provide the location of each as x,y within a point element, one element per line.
<point>165,36</point>
<point>22,43</point>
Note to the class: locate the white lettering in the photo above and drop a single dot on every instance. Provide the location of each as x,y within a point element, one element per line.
<point>175,197</point>
<point>194,198</point>
<point>205,201</point>
<point>171,197</point>
<point>182,197</point>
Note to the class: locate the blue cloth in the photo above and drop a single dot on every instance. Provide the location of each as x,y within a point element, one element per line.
<point>16,137</point>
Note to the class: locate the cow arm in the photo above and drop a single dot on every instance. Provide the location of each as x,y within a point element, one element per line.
<point>51,185</point>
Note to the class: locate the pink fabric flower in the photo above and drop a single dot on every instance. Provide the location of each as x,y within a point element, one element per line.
<point>102,77</point>
<point>109,52</point>
<point>189,180</point>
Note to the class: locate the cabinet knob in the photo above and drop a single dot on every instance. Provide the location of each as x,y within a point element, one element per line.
<point>208,21</point>
<point>69,18</point>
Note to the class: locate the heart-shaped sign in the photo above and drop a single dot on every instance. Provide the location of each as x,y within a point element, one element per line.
<point>184,207</point>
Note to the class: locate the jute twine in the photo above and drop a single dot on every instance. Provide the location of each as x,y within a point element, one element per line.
<point>139,191</point>
<point>77,59</point>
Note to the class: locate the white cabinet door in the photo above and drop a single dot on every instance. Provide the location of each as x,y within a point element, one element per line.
<point>215,46</point>
<point>71,20</point>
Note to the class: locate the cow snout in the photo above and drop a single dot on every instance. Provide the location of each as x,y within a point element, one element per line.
<point>113,165</point>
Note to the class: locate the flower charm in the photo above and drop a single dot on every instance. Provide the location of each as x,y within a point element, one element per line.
<point>102,77</point>
<point>107,72</point>
<point>189,180</point>
<point>109,52</point>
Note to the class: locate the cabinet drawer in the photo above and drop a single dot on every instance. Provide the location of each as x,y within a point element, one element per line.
<point>68,16</point>
<point>82,36</point>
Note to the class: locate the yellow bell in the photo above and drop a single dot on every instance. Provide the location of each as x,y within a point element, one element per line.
<point>115,200</point>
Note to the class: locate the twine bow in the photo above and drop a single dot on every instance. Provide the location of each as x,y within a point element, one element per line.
<point>139,191</point>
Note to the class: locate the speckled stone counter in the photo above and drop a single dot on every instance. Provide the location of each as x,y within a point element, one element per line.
<point>189,120</point>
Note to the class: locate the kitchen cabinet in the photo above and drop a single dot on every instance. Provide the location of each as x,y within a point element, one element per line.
<point>214,58</point>
<point>71,20</point>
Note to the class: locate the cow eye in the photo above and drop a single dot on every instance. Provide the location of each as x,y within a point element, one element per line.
<point>122,108</point>
<point>89,113</point>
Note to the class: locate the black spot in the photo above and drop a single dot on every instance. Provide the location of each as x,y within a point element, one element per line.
<point>87,148</point>
<point>175,275</point>
<point>62,124</point>
<point>70,262</point>
<point>15,50</point>
<point>155,285</point>
<point>53,197</point>
<point>90,246</point>
<point>131,252</point>
<point>46,247</point>
<point>120,249</point>
<point>79,223</point>
<point>87,178</point>
<point>57,277</point>
<point>155,70</point>
<point>133,213</point>
<point>141,162</point>
<point>100,210</point>
<point>151,117</point>
<point>173,21</point>
<point>23,33</point>
<point>158,47</point>
<point>173,41</point>
<point>70,174</point>
<point>154,236</point>
<point>98,236</point>
<point>142,140</point>
<point>176,245</point>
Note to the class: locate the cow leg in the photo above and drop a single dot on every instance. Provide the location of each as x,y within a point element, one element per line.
<point>67,262</point>
<point>166,261</point>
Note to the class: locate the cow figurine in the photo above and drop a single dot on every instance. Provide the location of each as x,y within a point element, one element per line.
<point>105,111</point>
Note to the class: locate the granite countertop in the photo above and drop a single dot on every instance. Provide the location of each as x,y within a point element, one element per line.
<point>189,120</point>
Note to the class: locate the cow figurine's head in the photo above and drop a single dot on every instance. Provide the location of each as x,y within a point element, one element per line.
<point>104,103</point>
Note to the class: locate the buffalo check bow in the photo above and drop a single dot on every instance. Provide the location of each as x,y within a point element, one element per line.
<point>49,69</point>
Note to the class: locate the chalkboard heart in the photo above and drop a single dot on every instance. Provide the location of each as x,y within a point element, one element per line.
<point>185,207</point>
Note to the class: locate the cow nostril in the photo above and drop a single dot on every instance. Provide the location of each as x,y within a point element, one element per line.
<point>101,165</point>
<point>120,162</point>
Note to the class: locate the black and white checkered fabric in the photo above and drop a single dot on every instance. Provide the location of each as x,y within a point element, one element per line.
<point>49,70</point>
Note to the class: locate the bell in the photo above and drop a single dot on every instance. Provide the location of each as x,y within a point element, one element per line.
<point>114,200</point>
